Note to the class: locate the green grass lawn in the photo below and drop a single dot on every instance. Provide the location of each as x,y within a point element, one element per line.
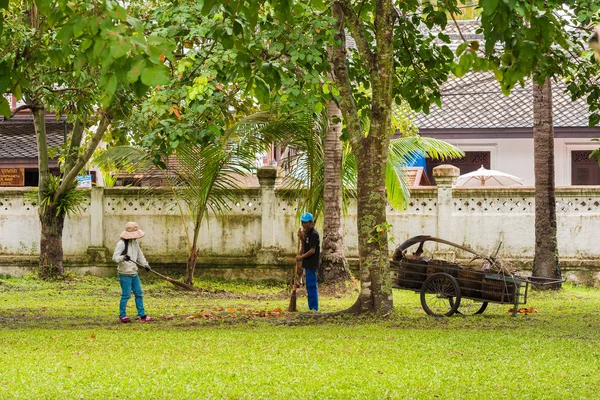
<point>63,340</point>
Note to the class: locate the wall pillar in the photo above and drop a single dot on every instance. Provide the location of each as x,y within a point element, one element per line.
<point>269,250</point>
<point>445,176</point>
<point>97,252</point>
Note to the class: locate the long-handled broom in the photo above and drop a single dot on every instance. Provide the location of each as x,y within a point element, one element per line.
<point>292,307</point>
<point>173,281</point>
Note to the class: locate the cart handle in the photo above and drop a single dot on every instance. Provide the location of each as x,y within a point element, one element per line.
<point>540,281</point>
<point>424,238</point>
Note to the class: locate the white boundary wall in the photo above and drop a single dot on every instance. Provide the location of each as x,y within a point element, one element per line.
<point>259,230</point>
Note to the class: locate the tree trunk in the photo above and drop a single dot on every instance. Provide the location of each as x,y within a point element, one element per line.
<point>193,250</point>
<point>191,265</point>
<point>51,249</point>
<point>375,284</point>
<point>370,150</point>
<point>545,262</point>
<point>334,266</point>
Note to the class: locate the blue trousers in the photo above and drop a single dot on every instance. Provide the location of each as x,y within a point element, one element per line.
<point>312,291</point>
<point>131,284</point>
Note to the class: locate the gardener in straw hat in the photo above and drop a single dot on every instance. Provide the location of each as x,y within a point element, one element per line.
<point>127,255</point>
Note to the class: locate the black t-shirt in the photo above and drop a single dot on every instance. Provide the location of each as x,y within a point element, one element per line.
<point>311,241</point>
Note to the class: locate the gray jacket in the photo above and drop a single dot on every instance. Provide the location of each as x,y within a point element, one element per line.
<point>135,254</point>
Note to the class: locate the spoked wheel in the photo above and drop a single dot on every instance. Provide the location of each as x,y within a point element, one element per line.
<point>469,307</point>
<point>436,293</point>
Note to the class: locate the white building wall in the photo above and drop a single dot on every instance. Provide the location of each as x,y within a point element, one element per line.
<point>515,156</point>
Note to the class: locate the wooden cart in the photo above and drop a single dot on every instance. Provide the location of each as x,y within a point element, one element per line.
<point>447,288</point>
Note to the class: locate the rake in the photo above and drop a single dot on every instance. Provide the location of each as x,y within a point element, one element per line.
<point>173,281</point>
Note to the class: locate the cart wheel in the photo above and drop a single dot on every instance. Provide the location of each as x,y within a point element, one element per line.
<point>469,307</point>
<point>436,292</point>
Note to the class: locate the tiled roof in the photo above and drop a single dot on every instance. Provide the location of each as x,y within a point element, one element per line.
<point>461,31</point>
<point>476,101</point>
<point>17,137</point>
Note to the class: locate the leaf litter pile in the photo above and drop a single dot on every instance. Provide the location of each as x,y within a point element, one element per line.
<point>220,314</point>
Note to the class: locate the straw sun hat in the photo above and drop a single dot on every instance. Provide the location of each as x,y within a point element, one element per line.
<point>132,231</point>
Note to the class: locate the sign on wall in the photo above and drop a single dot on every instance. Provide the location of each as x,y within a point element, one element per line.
<point>84,181</point>
<point>12,176</point>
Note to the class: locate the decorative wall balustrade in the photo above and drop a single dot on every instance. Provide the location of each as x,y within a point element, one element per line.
<point>262,220</point>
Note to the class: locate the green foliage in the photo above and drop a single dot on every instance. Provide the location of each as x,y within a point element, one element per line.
<point>63,340</point>
<point>225,66</point>
<point>127,159</point>
<point>117,159</point>
<point>305,162</point>
<point>109,178</point>
<point>81,60</point>
<point>69,203</point>
<point>87,49</point>
<point>382,236</point>
<point>303,137</point>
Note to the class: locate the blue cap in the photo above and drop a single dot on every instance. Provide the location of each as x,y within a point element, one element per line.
<point>307,217</point>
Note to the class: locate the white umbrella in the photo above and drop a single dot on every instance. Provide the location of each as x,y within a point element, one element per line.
<point>488,177</point>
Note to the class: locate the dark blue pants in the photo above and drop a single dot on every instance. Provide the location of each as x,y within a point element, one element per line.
<point>312,291</point>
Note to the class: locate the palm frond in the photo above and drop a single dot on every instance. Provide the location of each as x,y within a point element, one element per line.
<point>403,152</point>
<point>123,158</point>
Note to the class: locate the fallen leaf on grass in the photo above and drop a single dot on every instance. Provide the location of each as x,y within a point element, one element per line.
<point>523,310</point>
<point>93,336</point>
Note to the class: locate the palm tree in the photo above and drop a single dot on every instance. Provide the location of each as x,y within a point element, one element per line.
<point>545,262</point>
<point>207,175</point>
<point>334,266</point>
<point>204,177</point>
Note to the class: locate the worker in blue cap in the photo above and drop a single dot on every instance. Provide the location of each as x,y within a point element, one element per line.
<point>311,249</point>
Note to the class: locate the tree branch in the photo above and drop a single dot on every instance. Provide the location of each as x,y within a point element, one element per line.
<point>355,26</point>
<point>457,27</point>
<point>415,66</point>
<point>203,60</point>
<point>21,108</point>
<point>63,90</point>
<point>382,74</point>
<point>70,175</point>
<point>340,71</point>
<point>74,145</point>
<point>39,123</point>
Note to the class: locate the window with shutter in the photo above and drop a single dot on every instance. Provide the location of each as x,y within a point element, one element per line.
<point>583,170</point>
